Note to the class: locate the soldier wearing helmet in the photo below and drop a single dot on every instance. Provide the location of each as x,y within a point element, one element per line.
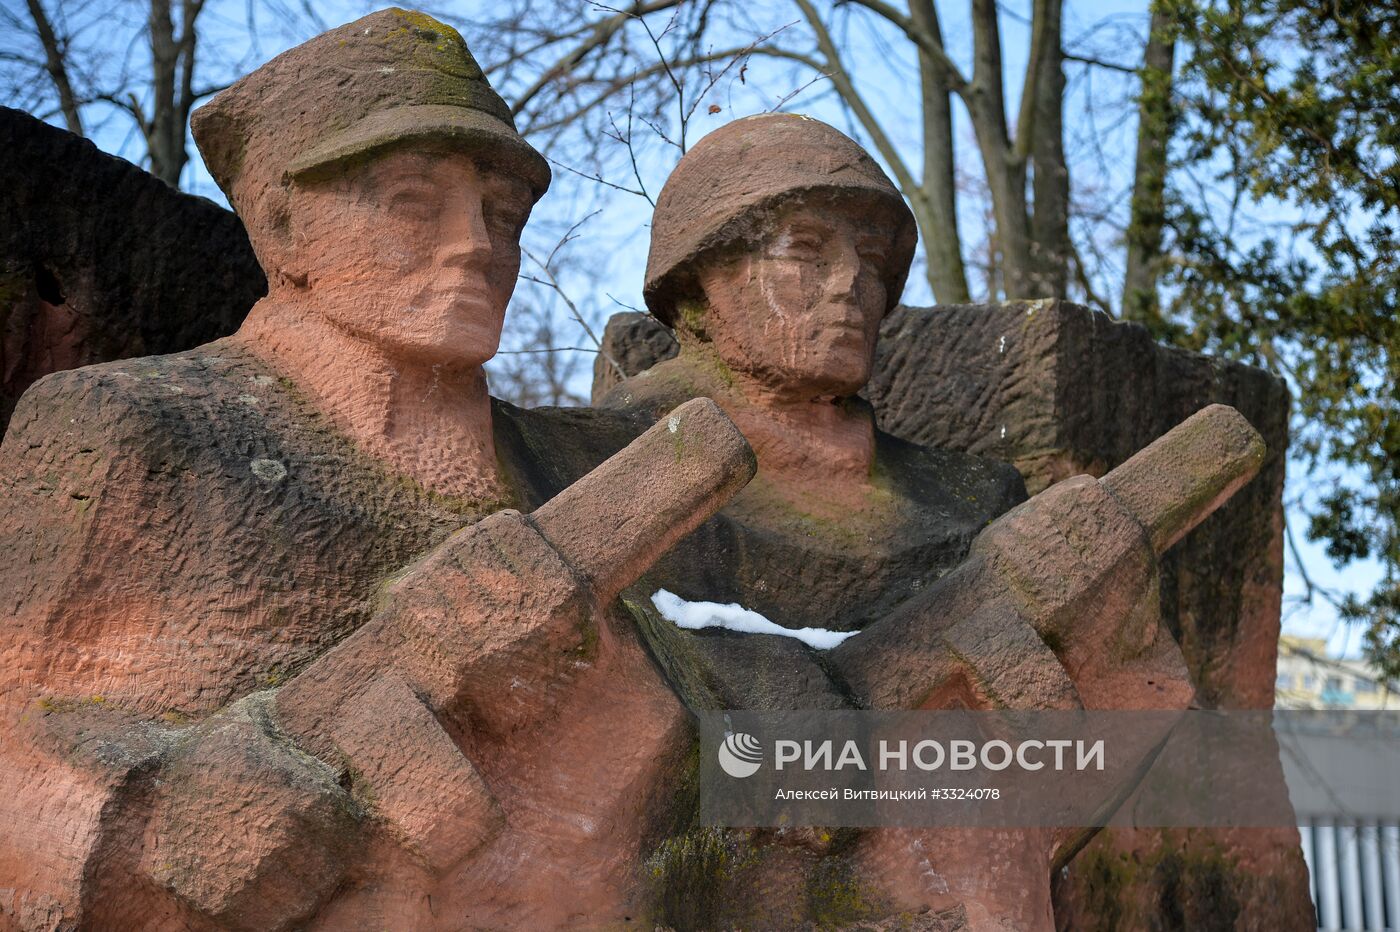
<point>778,246</point>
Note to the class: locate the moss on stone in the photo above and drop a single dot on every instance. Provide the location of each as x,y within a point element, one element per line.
<point>1191,888</point>
<point>1106,877</point>
<point>353,781</point>
<point>694,876</point>
<point>423,21</point>
<point>692,313</point>
<point>14,288</point>
<point>764,504</point>
<point>687,671</point>
<point>62,705</point>
<point>587,649</point>
<point>1198,890</point>
<point>835,898</point>
<point>271,679</point>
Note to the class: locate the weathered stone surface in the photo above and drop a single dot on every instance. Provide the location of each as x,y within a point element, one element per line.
<point>392,79</point>
<point>514,594</point>
<point>297,509</point>
<point>730,183</point>
<point>801,566</point>
<point>633,341</point>
<point>1230,879</point>
<point>776,280</point>
<point>247,829</point>
<point>405,765</point>
<point>198,505</point>
<point>638,342</point>
<point>1059,390</point>
<point>62,765</point>
<point>501,634</point>
<point>648,496</point>
<point>543,679</point>
<point>1057,607</point>
<point>414,705</point>
<point>100,260</point>
<point>1077,565</point>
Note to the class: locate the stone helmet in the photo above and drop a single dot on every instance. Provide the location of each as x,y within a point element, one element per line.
<point>723,186</point>
<point>390,77</point>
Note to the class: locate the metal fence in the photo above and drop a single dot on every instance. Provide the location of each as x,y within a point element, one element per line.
<point>1355,870</point>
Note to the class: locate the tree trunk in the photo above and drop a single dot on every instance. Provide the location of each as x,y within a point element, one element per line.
<point>163,54</point>
<point>1050,242</point>
<point>936,207</point>
<point>1148,209</point>
<point>172,71</point>
<point>56,64</point>
<point>1006,175</point>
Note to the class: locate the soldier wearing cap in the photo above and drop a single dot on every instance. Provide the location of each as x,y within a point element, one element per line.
<point>778,245</point>
<point>185,533</point>
<point>385,188</point>
<point>260,483</point>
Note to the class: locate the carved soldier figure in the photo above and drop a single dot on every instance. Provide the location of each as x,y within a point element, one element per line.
<point>777,247</point>
<point>188,537</point>
<point>281,649</point>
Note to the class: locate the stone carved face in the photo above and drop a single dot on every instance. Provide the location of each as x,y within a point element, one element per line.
<point>799,307</point>
<point>416,251</point>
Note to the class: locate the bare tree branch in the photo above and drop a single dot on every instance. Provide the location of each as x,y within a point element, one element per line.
<point>847,89</point>
<point>1100,63</point>
<point>986,104</point>
<point>920,38</point>
<point>936,207</point>
<point>56,64</point>
<point>621,83</point>
<point>600,35</point>
<point>549,281</point>
<point>1041,26</point>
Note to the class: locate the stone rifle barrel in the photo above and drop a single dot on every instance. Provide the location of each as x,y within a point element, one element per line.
<point>1057,603</point>
<point>612,524</point>
<point>1175,482</point>
<point>487,629</point>
<point>507,596</point>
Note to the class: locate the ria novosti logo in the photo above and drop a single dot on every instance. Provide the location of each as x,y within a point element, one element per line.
<point>740,755</point>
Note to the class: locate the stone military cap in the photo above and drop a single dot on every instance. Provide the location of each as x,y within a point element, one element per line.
<point>726,183</point>
<point>394,76</point>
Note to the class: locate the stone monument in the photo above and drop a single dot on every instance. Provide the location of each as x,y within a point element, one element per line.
<point>778,248</point>
<point>200,546</point>
<point>1059,391</point>
<point>304,630</point>
<point>100,260</point>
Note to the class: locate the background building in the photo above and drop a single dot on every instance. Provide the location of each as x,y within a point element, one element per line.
<point>1308,678</point>
<point>1354,866</point>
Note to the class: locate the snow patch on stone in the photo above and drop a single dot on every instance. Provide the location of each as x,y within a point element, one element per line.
<point>734,617</point>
